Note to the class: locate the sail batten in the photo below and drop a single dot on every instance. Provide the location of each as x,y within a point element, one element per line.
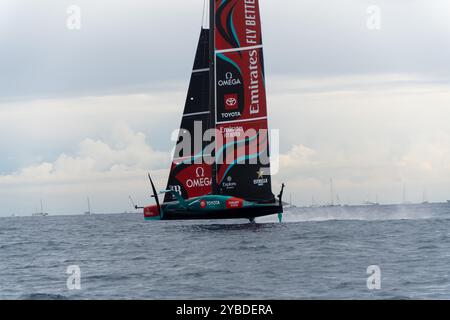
<point>241,121</point>
<point>239,49</point>
<point>196,114</point>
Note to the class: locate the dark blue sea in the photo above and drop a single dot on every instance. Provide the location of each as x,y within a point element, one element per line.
<point>320,253</point>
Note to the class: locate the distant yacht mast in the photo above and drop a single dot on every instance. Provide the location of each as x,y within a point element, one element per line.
<point>42,213</point>
<point>313,202</point>
<point>425,197</point>
<point>404,194</point>
<point>405,198</point>
<point>89,207</point>
<point>331,192</point>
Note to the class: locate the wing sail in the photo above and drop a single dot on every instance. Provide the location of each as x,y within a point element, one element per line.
<point>243,166</point>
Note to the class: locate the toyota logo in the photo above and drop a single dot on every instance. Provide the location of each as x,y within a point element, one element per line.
<point>231,102</point>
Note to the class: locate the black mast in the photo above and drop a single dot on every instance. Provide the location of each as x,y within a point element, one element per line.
<point>212,85</point>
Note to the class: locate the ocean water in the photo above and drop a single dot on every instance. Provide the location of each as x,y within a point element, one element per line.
<point>320,253</point>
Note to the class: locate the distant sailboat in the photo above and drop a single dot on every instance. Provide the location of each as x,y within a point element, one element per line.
<point>42,213</point>
<point>370,203</point>
<point>338,200</point>
<point>313,202</point>
<point>425,197</point>
<point>331,193</point>
<point>289,205</point>
<point>88,212</point>
<point>334,201</point>
<point>404,197</point>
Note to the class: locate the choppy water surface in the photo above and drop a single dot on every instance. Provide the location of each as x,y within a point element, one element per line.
<point>316,254</point>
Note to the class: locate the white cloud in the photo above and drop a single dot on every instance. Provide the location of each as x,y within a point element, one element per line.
<point>299,156</point>
<point>428,158</point>
<point>94,161</point>
<point>107,172</point>
<point>423,167</point>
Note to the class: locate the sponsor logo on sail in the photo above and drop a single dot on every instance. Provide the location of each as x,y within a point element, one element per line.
<point>260,181</point>
<point>231,101</point>
<point>229,81</point>
<point>200,172</point>
<point>251,22</point>
<point>227,115</point>
<point>233,132</point>
<point>254,82</point>
<point>229,184</point>
<point>200,180</point>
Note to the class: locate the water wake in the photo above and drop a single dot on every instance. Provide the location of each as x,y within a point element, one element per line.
<point>364,213</point>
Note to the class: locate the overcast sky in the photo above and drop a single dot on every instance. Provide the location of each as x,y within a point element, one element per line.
<point>87,112</point>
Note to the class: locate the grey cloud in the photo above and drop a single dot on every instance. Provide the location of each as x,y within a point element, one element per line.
<point>134,47</point>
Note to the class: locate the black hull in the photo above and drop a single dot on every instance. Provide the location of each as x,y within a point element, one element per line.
<point>244,213</point>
